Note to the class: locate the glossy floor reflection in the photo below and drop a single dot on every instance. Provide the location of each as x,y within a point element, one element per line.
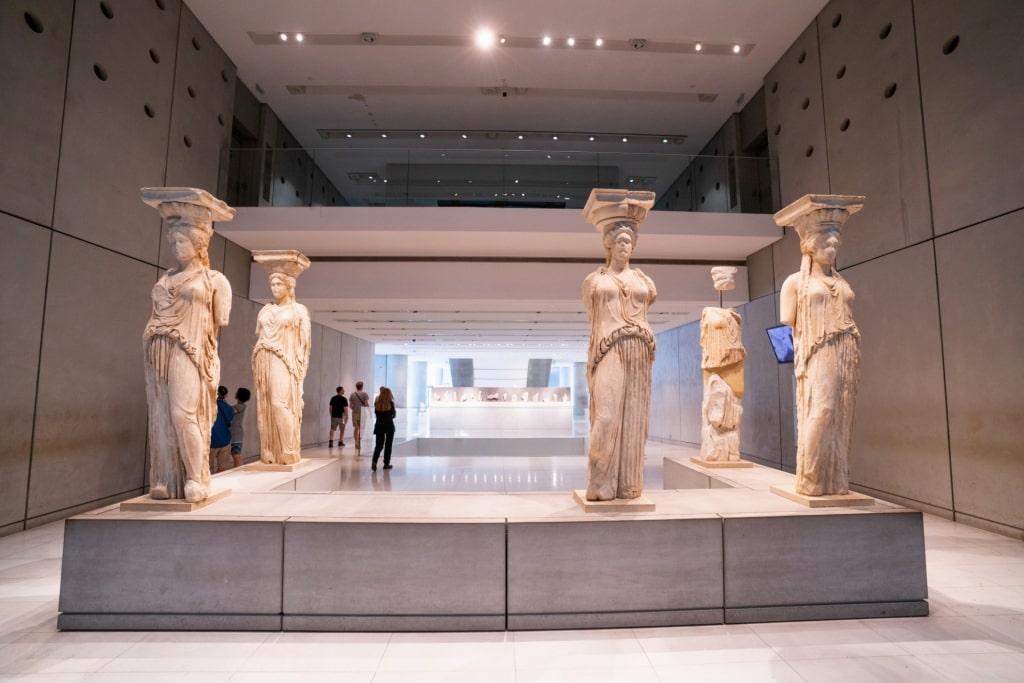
<point>482,473</point>
<point>975,632</point>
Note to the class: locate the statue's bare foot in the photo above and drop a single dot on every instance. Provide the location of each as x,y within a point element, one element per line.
<point>194,491</point>
<point>159,492</point>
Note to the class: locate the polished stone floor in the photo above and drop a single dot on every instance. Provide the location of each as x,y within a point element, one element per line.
<point>975,632</point>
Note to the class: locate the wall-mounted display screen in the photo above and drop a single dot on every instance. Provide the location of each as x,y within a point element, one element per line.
<point>781,337</point>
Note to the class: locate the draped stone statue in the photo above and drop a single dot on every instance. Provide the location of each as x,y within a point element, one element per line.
<point>190,302</point>
<point>722,355</point>
<point>816,302</point>
<point>621,350</point>
<point>280,359</point>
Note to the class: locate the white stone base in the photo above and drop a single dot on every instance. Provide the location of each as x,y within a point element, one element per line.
<point>721,463</point>
<point>843,500</point>
<point>275,467</point>
<point>147,504</point>
<point>641,504</point>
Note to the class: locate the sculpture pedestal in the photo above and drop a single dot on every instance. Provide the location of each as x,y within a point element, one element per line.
<point>721,463</point>
<point>641,504</point>
<point>275,467</point>
<point>148,504</point>
<point>842,500</point>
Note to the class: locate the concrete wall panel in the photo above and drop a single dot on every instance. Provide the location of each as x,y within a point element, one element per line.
<point>91,414</point>
<point>24,261</point>
<point>873,124</point>
<point>312,390</point>
<point>115,125</point>
<point>200,131</point>
<point>35,37</point>
<point>796,130</point>
<point>900,444</point>
<point>972,61</point>
<point>759,432</point>
<point>980,285</point>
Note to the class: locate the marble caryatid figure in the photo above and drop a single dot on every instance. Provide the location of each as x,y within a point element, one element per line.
<point>621,350</point>
<point>816,302</point>
<point>190,302</point>
<point>280,359</point>
<point>722,355</point>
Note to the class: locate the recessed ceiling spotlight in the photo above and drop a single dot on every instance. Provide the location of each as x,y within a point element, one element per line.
<point>299,37</point>
<point>284,37</point>
<point>591,138</point>
<point>423,135</point>
<point>625,139</point>
<point>698,47</point>
<point>383,135</point>
<point>502,39</point>
<point>485,38</point>
<point>599,42</point>
<point>520,137</point>
<point>517,181</point>
<point>571,42</point>
<point>546,40</point>
<point>554,137</point>
<point>664,141</point>
<point>465,137</point>
<point>735,49</point>
<point>348,135</point>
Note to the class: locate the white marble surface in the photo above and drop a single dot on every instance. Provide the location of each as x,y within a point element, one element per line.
<point>976,586</point>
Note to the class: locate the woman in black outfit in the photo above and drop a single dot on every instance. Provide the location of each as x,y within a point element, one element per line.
<point>384,427</point>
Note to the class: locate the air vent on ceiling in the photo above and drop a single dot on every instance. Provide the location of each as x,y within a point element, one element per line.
<point>296,89</point>
<point>707,97</point>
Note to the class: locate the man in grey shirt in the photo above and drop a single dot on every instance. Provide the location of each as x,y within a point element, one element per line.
<point>358,400</point>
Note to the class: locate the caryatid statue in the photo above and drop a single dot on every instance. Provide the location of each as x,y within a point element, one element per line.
<point>191,302</point>
<point>280,359</point>
<point>722,355</point>
<point>816,302</point>
<point>621,353</point>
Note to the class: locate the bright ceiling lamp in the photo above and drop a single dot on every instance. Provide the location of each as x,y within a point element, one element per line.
<point>485,39</point>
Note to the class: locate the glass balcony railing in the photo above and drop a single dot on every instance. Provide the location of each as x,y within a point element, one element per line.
<point>492,177</point>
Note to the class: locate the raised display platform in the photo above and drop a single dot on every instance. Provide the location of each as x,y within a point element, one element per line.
<point>728,552</point>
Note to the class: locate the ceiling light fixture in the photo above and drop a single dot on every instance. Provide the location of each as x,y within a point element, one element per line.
<point>485,38</point>
<point>571,42</point>
<point>735,49</point>
<point>502,39</point>
<point>698,47</point>
<point>599,42</point>
<point>299,37</point>
<point>284,37</point>
<point>591,138</point>
<point>422,135</point>
<point>554,137</point>
<point>625,139</point>
<point>383,135</point>
<point>546,40</point>
<point>520,137</point>
<point>465,137</point>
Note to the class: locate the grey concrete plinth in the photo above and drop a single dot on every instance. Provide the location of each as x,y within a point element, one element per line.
<point>396,576</point>
<point>180,573</point>
<point>268,557</point>
<point>823,564</point>
<point>150,504</point>
<point>626,572</point>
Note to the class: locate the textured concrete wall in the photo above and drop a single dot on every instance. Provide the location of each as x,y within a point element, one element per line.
<point>913,102</point>
<point>108,98</point>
